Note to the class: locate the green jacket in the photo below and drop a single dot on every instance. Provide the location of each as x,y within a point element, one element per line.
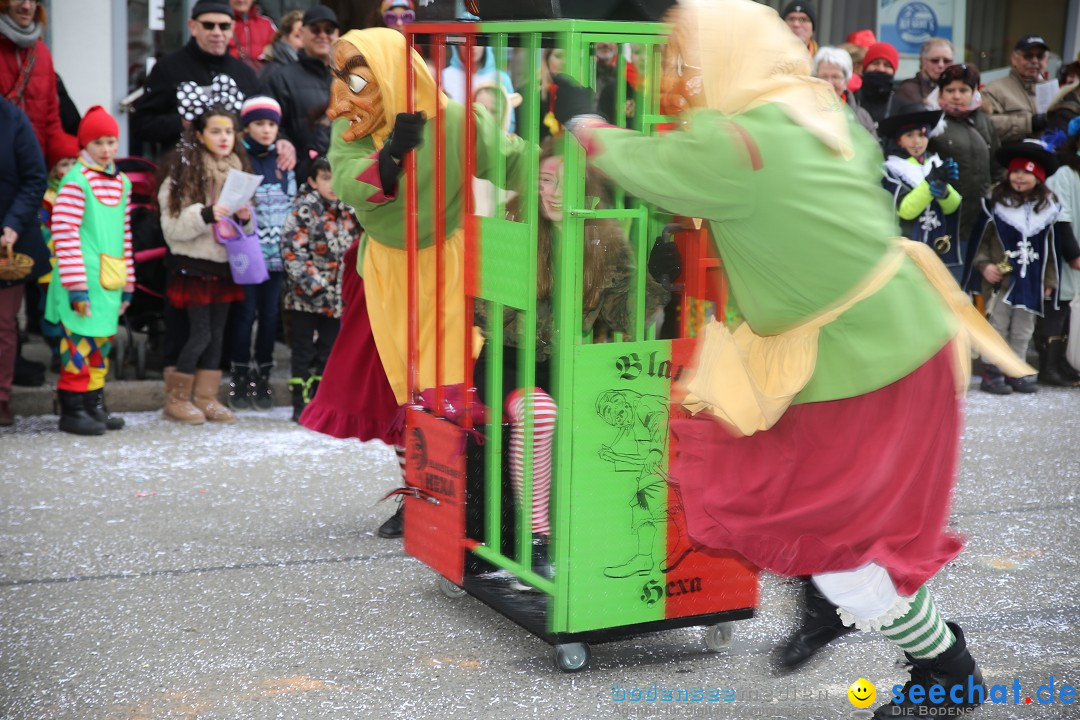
<point>101,233</point>
<point>797,227</point>
<point>356,179</point>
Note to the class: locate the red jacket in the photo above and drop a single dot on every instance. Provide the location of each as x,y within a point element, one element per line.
<point>37,95</point>
<point>250,35</point>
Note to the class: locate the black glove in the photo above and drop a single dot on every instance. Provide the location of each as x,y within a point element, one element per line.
<point>571,99</point>
<point>408,133</point>
<point>939,189</point>
<point>947,172</point>
<point>1038,122</point>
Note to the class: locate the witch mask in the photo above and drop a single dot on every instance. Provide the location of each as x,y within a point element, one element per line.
<point>681,86</point>
<point>355,93</point>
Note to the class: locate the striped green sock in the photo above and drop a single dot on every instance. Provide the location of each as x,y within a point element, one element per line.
<point>921,632</point>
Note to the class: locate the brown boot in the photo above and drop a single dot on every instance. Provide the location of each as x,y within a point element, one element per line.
<point>207,385</point>
<point>6,418</point>
<point>178,404</point>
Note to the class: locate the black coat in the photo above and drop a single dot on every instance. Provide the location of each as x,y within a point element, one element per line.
<point>22,187</point>
<point>155,118</point>
<point>303,90</point>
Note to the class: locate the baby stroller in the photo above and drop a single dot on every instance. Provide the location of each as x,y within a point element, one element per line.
<point>140,339</point>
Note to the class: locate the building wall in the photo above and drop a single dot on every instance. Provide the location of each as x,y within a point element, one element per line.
<point>82,48</point>
<point>89,48</point>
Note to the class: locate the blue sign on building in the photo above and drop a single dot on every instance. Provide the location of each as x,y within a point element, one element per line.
<point>906,24</point>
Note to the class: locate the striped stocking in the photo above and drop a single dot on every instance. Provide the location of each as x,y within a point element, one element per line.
<point>544,412</point>
<point>399,450</point>
<point>921,632</point>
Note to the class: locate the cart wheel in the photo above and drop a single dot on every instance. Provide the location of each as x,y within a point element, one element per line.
<point>719,637</point>
<point>119,363</point>
<point>572,657</point>
<point>450,590</point>
<point>140,358</point>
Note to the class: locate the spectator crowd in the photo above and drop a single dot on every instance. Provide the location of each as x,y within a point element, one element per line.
<point>986,174</point>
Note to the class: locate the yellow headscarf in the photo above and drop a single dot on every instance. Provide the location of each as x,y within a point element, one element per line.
<point>749,58</point>
<point>384,50</point>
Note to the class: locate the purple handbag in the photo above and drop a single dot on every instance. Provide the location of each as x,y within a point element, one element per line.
<point>245,254</point>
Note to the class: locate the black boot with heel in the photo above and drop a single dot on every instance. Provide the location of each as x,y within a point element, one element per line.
<point>819,625</point>
<point>262,396</point>
<point>952,668</point>
<point>240,387</point>
<point>94,402</point>
<point>74,418</point>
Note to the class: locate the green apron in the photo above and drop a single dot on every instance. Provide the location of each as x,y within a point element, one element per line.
<point>101,234</point>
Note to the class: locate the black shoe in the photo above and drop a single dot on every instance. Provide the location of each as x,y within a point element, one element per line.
<point>240,387</point>
<point>995,386</point>
<point>394,527</point>
<point>1053,368</point>
<point>299,388</point>
<point>94,402</point>
<point>1068,372</point>
<point>820,625</point>
<point>1022,385</point>
<point>541,563</point>
<point>953,667</point>
<point>262,397</point>
<point>73,416</point>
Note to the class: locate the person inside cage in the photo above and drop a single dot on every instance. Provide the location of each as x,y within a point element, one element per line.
<point>607,271</point>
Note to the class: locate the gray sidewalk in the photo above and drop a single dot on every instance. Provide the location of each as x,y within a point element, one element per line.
<point>127,395</point>
<point>232,573</point>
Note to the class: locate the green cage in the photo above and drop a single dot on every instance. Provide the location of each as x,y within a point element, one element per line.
<point>621,561</point>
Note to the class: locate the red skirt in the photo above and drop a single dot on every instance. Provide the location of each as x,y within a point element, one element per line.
<point>833,485</point>
<point>185,290</point>
<point>354,399</point>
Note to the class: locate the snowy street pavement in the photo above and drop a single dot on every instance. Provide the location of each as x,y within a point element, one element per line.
<point>227,573</point>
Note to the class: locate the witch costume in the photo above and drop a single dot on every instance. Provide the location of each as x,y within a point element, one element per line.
<point>861,332</point>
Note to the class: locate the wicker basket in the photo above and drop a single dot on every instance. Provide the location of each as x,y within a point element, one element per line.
<point>14,266</point>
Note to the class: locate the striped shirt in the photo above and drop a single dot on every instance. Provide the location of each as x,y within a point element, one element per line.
<point>67,217</point>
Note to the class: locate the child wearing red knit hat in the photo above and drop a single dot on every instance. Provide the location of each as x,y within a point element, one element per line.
<point>1014,264</point>
<point>94,276</point>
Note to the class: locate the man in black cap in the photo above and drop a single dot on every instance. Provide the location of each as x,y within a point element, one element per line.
<point>802,20</point>
<point>1010,101</point>
<point>155,118</point>
<point>302,88</point>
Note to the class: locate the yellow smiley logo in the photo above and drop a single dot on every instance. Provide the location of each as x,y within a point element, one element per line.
<point>862,693</point>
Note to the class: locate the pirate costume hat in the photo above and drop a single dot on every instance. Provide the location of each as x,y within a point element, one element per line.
<point>909,118</point>
<point>1031,155</point>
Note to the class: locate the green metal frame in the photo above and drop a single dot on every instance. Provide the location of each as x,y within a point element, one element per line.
<point>508,272</point>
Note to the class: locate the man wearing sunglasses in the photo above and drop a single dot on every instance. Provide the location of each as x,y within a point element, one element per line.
<point>1010,101</point>
<point>302,88</point>
<point>155,118</point>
